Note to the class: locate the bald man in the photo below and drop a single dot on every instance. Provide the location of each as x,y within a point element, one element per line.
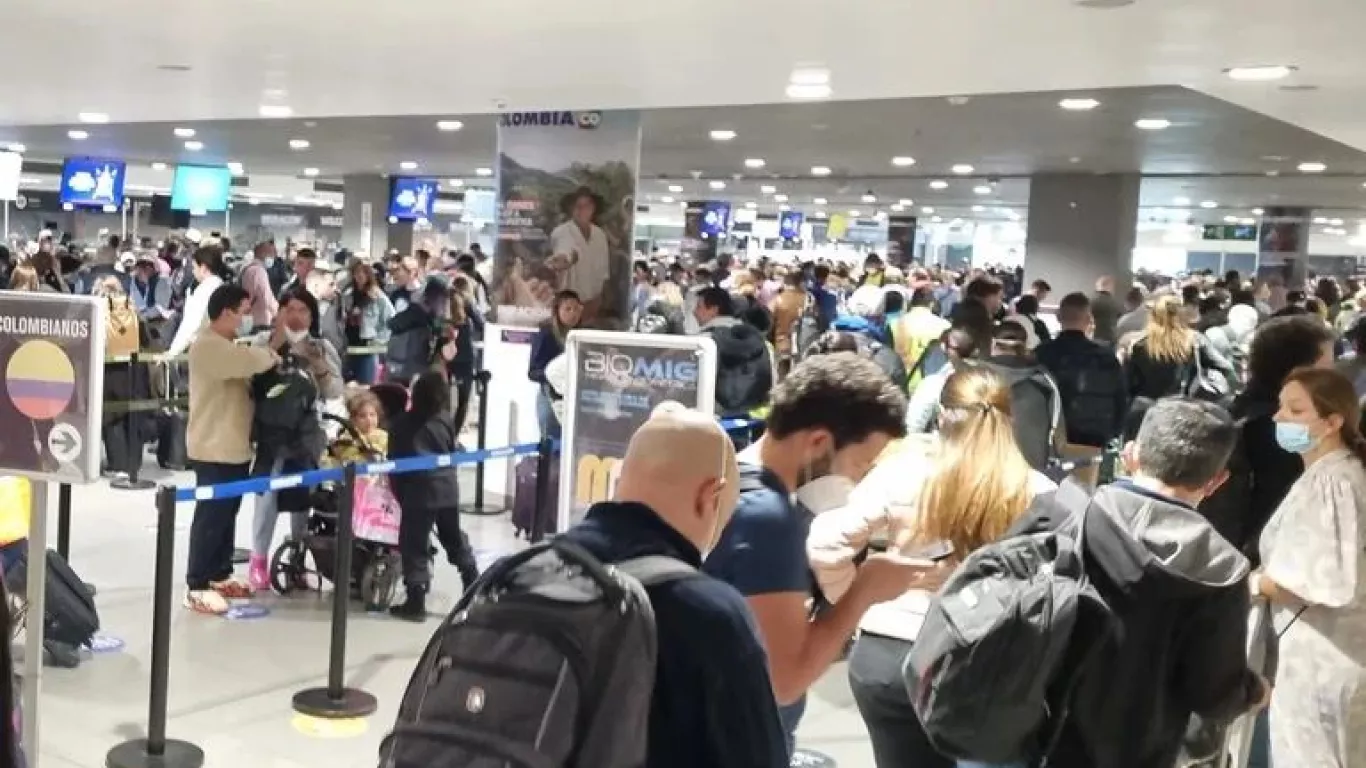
<point>713,701</point>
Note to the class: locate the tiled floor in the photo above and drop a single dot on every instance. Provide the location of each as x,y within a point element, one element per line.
<point>231,682</point>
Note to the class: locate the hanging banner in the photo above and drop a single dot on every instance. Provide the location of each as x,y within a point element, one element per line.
<point>615,381</point>
<point>901,240</point>
<point>566,212</point>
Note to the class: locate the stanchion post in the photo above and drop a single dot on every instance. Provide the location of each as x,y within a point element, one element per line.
<point>64,521</point>
<point>156,751</point>
<point>483,429</point>
<point>134,438</point>
<point>335,701</point>
<point>542,488</point>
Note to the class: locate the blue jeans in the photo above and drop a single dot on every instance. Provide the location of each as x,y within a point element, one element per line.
<point>545,417</point>
<point>362,369</point>
<point>791,716</point>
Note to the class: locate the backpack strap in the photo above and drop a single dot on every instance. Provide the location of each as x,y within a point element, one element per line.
<point>919,365</point>
<point>653,570</point>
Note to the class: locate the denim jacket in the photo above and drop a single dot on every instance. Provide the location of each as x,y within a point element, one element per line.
<point>374,320</point>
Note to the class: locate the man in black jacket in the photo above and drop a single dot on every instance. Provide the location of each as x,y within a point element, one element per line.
<point>744,367</point>
<point>1178,592</point>
<point>1089,377</point>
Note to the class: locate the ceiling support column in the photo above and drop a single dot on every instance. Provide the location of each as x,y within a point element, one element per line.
<point>365,218</point>
<point>1081,227</point>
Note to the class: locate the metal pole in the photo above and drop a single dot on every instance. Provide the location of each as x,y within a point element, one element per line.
<point>483,430</point>
<point>64,521</point>
<point>36,576</point>
<point>336,701</point>
<point>156,751</point>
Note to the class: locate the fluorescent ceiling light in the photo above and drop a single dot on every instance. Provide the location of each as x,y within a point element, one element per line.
<point>795,91</point>
<point>820,170</point>
<point>675,188</point>
<point>194,146</point>
<point>767,189</point>
<point>17,147</point>
<point>819,214</point>
<point>408,165</point>
<point>449,125</point>
<point>1153,123</point>
<point>962,169</point>
<point>937,219</point>
<point>1257,211</point>
<point>310,172</point>
<point>939,184</point>
<point>184,133</point>
<point>77,135</point>
<point>274,111</point>
<point>1259,74</point>
<point>1181,202</point>
<point>1312,167</point>
<point>927,210</point>
<point>780,198</point>
<point>1336,222</point>
<point>1320,219</point>
<point>751,205</point>
<point>455,182</point>
<point>854,213</point>
<point>1247,221</point>
<point>869,198</point>
<point>1230,219</point>
<point>158,166</point>
<point>93,117</point>
<point>982,190</point>
<point>1078,105</point>
<point>716,184</point>
<point>784,207</point>
<point>299,144</point>
<point>754,162</point>
<point>898,208</point>
<point>666,199</point>
<point>810,76</point>
<point>819,201</point>
<point>236,169</point>
<point>1209,204</point>
<point>978,208</point>
<point>722,135</point>
<point>903,161</point>
<point>483,171</point>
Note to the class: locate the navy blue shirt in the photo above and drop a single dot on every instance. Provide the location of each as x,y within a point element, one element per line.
<point>713,700</point>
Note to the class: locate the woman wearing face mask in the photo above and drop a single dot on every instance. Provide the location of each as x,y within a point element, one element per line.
<point>209,273</point>
<point>1313,557</point>
<point>960,493</point>
<point>295,333</point>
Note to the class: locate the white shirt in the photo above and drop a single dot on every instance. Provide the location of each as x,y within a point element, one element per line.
<point>594,265</point>
<point>195,314</point>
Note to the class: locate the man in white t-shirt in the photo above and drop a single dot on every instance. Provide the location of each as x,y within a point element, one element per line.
<point>581,252</point>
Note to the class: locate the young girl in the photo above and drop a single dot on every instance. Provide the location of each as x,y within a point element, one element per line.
<point>364,410</point>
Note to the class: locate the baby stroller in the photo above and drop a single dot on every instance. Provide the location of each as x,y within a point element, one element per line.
<point>375,565</point>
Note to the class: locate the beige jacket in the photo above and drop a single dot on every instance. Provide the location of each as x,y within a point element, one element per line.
<point>221,409</point>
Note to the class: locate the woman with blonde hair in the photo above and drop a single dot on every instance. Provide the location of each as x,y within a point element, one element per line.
<point>937,498</point>
<point>1170,357</point>
<point>23,278</point>
<point>1313,559</point>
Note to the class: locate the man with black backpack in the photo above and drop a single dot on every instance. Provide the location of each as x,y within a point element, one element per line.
<point>1089,377</point>
<point>1035,404</point>
<point>744,366</point>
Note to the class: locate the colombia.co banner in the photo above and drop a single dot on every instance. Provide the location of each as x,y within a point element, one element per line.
<point>615,381</point>
<point>566,208</point>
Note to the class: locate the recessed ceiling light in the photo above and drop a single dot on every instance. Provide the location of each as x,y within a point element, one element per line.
<point>1181,202</point>
<point>1320,219</point>
<point>795,91</point>
<point>194,146</point>
<point>751,204</point>
<point>455,182</point>
<point>939,184</point>
<point>297,144</point>
<point>449,125</point>
<point>869,197</point>
<point>820,170</point>
<point>675,188</point>
<point>1103,5</point>
<point>274,111</point>
<point>158,166</point>
<point>722,135</point>
<point>898,208</point>
<point>784,207</point>
<point>1078,105</point>
<point>408,165</point>
<point>982,190</point>
<point>937,219</point>
<point>978,208</point>
<point>962,169</point>
<point>1312,167</point>
<point>809,76</point>
<point>1230,219</point>
<point>716,184</point>
<point>767,189</point>
<point>666,199</point>
<point>1273,173</point>
<point>483,171</point>
<point>184,133</point>
<point>236,169</point>
<point>1074,160</point>
<point>780,198</point>
<point>754,162</point>
<point>1260,74</point>
<point>93,117</point>
<point>310,172</point>
<point>17,147</point>
<point>1336,222</point>
<point>927,210</point>
<point>854,213</point>
<point>1209,204</point>
<point>1257,211</point>
<point>906,201</point>
<point>1153,123</point>
<point>902,161</point>
<point>823,201</point>
<point>77,135</point>
<point>819,214</point>
<point>1245,221</point>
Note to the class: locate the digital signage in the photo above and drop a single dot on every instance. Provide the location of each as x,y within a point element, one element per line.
<point>715,219</point>
<point>10,165</point>
<point>92,182</point>
<point>790,225</point>
<point>411,199</point>
<point>201,188</point>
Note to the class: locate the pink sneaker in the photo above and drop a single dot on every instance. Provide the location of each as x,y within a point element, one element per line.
<point>258,574</point>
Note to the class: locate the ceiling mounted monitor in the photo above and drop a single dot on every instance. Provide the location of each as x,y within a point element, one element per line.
<point>200,189</point>
<point>411,199</point>
<point>90,182</point>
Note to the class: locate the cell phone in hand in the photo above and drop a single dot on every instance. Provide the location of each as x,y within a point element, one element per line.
<point>934,553</point>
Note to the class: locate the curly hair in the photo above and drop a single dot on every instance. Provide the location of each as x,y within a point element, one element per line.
<point>843,393</point>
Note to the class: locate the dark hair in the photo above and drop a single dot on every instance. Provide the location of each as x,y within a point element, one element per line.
<point>1134,297</point>
<point>210,257</point>
<point>1190,294</point>
<point>1041,285</point>
<point>1027,304</point>
<point>716,298</point>
<point>821,272</point>
<point>1290,310</point>
<point>300,294</point>
<point>922,297</point>
<point>893,302</point>
<point>830,342</point>
<point>960,341</point>
<point>559,331</point>
<point>1281,345</point>
<point>431,395</point>
<point>306,253</point>
<point>1185,443</point>
<point>845,394</point>
<point>368,271</point>
<point>228,296</point>
<point>1333,394</point>
<point>983,287</point>
<point>757,316</point>
<point>1010,338</point>
<point>973,316</point>
<point>1073,308</point>
<point>569,201</point>
<point>1241,296</point>
<point>640,265</point>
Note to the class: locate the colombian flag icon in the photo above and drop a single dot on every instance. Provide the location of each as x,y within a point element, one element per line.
<point>40,380</point>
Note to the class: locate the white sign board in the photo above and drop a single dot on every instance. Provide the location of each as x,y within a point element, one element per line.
<point>52,393</point>
<point>11,163</point>
<point>615,381</point>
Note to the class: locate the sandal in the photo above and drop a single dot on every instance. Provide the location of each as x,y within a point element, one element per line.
<point>232,589</point>
<point>207,602</point>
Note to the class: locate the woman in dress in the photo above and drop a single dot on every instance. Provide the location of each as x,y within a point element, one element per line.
<point>1312,559</point>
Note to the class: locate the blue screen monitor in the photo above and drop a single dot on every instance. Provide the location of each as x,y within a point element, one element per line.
<point>790,225</point>
<point>201,188</point>
<point>715,219</point>
<point>411,199</point>
<point>92,182</point>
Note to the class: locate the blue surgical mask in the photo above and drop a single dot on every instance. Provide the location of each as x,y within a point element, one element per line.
<point>1294,437</point>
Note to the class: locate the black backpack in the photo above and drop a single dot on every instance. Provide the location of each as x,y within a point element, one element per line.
<point>286,399</point>
<point>408,353</point>
<point>1090,384</point>
<point>1035,409</point>
<point>548,660</point>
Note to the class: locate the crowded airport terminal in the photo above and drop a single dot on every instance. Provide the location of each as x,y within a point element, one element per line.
<point>910,385</point>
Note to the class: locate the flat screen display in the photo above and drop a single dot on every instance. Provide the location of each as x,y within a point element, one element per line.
<point>411,199</point>
<point>790,225</point>
<point>201,188</point>
<point>715,219</point>
<point>91,181</point>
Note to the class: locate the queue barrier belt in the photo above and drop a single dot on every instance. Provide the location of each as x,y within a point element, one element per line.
<point>162,357</point>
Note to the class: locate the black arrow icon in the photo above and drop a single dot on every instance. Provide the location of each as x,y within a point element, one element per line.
<point>63,442</point>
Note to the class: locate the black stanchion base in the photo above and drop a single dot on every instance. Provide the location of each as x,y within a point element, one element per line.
<point>315,702</point>
<point>241,556</point>
<point>488,510</point>
<point>128,484</point>
<point>133,754</point>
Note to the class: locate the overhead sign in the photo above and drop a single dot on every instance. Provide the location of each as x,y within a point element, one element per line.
<point>412,199</point>
<point>89,181</point>
<point>615,381</point>
<point>790,225</point>
<point>51,401</point>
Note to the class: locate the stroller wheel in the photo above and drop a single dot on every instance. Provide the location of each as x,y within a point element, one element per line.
<point>288,569</point>
<point>378,584</point>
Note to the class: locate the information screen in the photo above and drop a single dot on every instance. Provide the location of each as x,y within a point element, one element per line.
<point>790,225</point>
<point>89,181</point>
<point>715,219</point>
<point>201,188</point>
<point>411,199</point>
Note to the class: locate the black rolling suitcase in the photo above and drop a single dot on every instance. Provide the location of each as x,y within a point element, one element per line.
<point>527,520</point>
<point>171,420</point>
<point>71,617</point>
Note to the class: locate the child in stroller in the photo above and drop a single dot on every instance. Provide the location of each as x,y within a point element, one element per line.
<point>374,513</point>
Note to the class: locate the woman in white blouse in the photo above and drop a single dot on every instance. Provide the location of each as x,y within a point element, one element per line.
<point>208,274</point>
<point>964,491</point>
<point>1312,563</point>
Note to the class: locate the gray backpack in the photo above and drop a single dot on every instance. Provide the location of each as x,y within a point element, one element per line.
<point>1002,648</point>
<point>547,661</point>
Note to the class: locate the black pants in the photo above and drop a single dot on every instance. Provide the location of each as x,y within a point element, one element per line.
<point>213,532</point>
<point>880,693</point>
<point>414,540</point>
<point>123,442</point>
<point>464,388</point>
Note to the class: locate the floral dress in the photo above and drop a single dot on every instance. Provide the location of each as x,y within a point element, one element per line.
<point>1313,548</point>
